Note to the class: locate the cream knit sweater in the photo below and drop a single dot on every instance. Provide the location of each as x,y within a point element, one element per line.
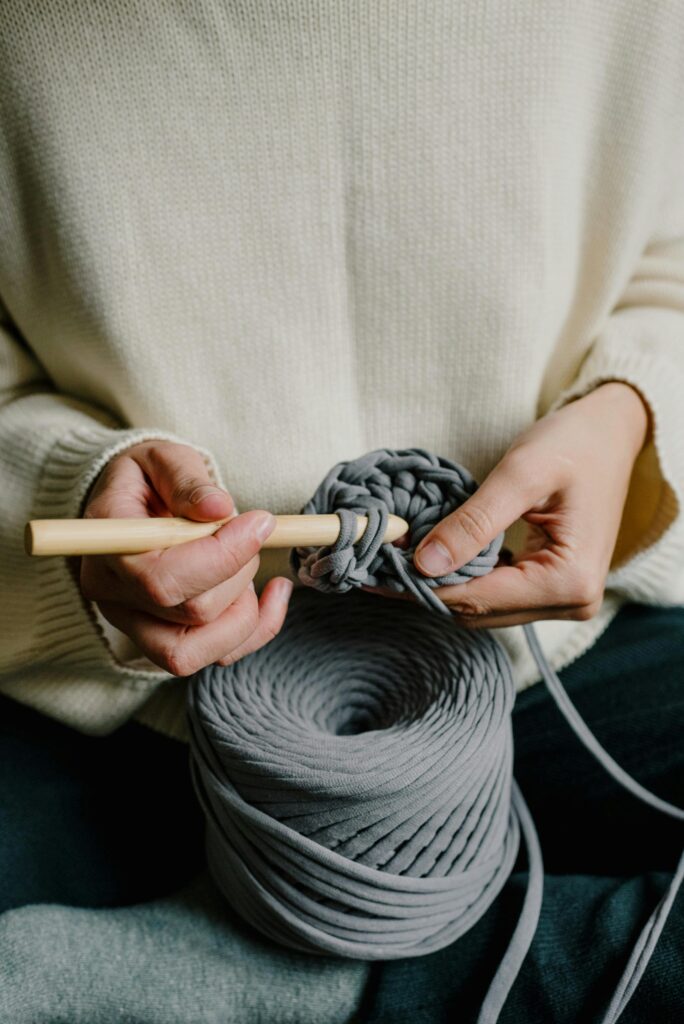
<point>291,231</point>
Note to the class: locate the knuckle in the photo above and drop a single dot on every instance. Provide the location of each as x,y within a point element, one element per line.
<point>167,459</point>
<point>468,608</point>
<point>476,522</point>
<point>232,552</point>
<point>198,611</point>
<point>586,587</point>
<point>183,487</point>
<point>517,464</point>
<point>160,587</point>
<point>157,452</point>
<point>230,659</point>
<point>230,560</point>
<point>179,661</point>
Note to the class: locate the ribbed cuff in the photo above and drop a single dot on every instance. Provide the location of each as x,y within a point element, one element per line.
<point>77,459</point>
<point>653,571</point>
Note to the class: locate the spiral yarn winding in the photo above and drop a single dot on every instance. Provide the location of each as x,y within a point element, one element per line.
<point>356,773</point>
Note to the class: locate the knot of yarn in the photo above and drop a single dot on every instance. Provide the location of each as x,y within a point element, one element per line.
<point>412,483</point>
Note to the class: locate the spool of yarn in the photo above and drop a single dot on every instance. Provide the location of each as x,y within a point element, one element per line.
<point>356,772</point>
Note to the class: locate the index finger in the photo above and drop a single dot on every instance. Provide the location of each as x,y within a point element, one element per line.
<point>170,576</point>
<point>512,594</point>
<point>530,587</point>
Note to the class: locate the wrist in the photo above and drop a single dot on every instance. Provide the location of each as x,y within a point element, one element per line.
<point>630,408</point>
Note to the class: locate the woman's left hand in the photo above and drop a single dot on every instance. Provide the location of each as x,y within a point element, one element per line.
<point>567,476</point>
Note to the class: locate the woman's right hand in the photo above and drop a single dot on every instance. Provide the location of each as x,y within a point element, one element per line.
<point>190,605</point>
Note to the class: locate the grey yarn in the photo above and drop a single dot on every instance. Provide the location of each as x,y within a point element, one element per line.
<point>421,488</point>
<point>356,772</point>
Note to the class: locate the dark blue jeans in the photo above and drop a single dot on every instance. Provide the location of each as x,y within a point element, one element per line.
<point>92,821</point>
<point>113,821</point>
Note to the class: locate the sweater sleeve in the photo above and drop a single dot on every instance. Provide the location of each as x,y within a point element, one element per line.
<point>54,652</point>
<point>642,344</point>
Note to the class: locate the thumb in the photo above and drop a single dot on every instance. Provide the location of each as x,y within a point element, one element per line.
<point>181,478</point>
<point>503,497</point>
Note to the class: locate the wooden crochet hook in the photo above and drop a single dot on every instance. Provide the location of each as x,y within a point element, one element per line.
<point>131,536</point>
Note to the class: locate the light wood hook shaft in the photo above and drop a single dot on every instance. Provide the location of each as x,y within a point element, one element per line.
<point>132,536</point>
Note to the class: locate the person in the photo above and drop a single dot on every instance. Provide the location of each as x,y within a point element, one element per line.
<point>241,243</point>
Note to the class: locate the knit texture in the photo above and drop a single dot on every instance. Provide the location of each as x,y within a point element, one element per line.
<point>292,232</point>
<point>178,960</point>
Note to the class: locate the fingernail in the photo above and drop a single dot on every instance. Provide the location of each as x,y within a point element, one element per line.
<point>434,559</point>
<point>265,526</point>
<point>285,589</point>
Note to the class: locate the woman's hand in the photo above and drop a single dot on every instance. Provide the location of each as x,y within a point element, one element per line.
<point>567,476</point>
<point>186,606</point>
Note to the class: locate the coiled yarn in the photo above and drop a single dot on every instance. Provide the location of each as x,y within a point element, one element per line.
<point>356,772</point>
